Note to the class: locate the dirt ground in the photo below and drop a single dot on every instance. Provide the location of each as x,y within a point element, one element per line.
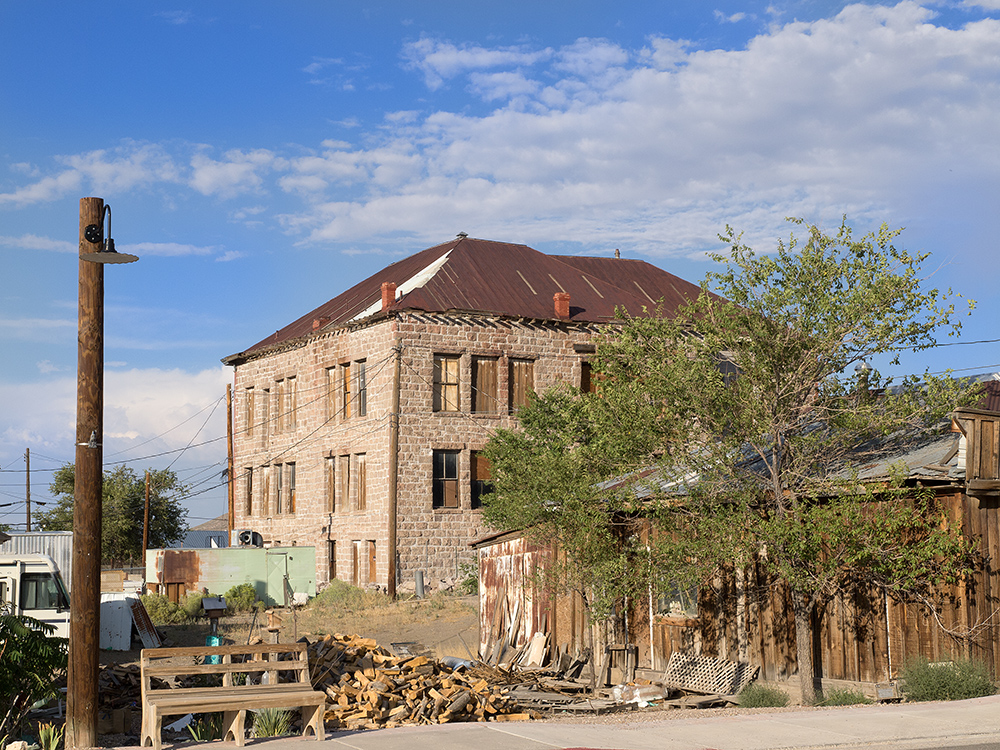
<point>440,625</point>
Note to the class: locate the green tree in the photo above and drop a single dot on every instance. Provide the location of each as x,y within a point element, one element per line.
<point>757,466</point>
<point>31,663</point>
<point>123,504</point>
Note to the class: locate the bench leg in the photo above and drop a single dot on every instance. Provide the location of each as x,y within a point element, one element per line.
<point>232,724</point>
<point>312,719</point>
<point>152,723</point>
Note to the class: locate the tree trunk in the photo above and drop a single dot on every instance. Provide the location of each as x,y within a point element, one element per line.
<point>802,606</point>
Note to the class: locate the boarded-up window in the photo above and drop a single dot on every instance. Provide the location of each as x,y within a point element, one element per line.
<point>265,495</point>
<point>356,557</point>
<point>331,556</point>
<point>371,561</point>
<point>279,505</point>
<point>445,479</point>
<point>344,482</point>
<point>480,475</point>
<point>248,412</point>
<point>265,414</point>
<point>520,382</point>
<point>291,488</point>
<point>446,383</point>
<point>484,385</point>
<point>331,484</point>
<point>248,486</point>
<point>345,391</point>
<point>278,417</point>
<point>361,480</point>
<point>291,402</point>
<point>361,387</point>
<point>331,393</point>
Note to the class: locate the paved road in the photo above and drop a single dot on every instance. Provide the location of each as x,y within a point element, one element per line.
<point>960,724</point>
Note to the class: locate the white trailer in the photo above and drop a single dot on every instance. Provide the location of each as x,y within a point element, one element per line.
<point>30,585</point>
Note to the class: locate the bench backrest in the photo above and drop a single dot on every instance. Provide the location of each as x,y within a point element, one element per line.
<point>262,657</point>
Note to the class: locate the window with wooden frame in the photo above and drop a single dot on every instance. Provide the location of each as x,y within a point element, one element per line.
<point>331,484</point>
<point>344,482</point>
<point>265,495</point>
<point>479,470</point>
<point>588,382</point>
<point>356,556</point>
<point>248,488</point>
<point>446,382</point>
<point>445,479</point>
<point>484,385</point>
<point>248,412</point>
<point>331,392</point>
<point>520,382</point>
<point>290,507</point>
<point>279,506</point>
<point>331,556</point>
<point>371,561</point>
<point>361,388</point>
<point>361,481</point>
<point>291,402</point>
<point>345,390</point>
<point>278,421</point>
<point>265,412</point>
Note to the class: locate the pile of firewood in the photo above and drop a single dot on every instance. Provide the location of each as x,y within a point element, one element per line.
<point>368,687</point>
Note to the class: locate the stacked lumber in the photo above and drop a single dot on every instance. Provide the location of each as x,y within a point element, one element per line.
<point>368,687</point>
<point>119,686</point>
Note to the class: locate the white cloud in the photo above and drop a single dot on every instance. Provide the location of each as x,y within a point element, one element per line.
<point>230,255</point>
<point>734,18</point>
<point>440,60</point>
<point>986,4</point>
<point>34,242</point>
<point>238,172</point>
<point>166,249</point>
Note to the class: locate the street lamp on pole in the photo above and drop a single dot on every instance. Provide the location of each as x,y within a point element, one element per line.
<point>85,584</point>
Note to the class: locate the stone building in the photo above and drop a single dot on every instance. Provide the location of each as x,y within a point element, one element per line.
<point>358,427</point>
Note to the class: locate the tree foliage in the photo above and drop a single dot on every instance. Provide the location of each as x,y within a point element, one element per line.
<point>123,506</point>
<point>740,420</point>
<point>31,663</point>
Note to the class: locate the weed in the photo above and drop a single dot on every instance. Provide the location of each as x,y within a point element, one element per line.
<point>845,697</point>
<point>271,722</point>
<point>242,598</point>
<point>762,696</point>
<point>49,736</point>
<point>344,597</point>
<point>206,727</point>
<point>162,611</point>
<point>468,579</point>
<point>950,681</point>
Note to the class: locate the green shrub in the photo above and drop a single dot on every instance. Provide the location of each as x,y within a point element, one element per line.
<point>32,661</point>
<point>761,696</point>
<point>162,611</point>
<point>50,736</point>
<point>241,598</point>
<point>846,697</point>
<point>206,727</point>
<point>347,598</point>
<point>468,579</point>
<point>192,605</point>
<point>951,681</point>
<point>271,722</point>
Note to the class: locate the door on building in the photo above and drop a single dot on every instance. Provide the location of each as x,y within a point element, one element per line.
<point>277,578</point>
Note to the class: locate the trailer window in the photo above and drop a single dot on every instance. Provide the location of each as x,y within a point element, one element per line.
<point>42,591</point>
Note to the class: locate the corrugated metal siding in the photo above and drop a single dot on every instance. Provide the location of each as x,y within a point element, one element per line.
<point>56,544</point>
<point>504,279</point>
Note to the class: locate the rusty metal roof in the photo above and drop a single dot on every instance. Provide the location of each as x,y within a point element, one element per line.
<point>484,276</point>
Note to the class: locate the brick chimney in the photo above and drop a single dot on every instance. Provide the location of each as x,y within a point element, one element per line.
<point>562,305</point>
<point>319,323</point>
<point>388,294</point>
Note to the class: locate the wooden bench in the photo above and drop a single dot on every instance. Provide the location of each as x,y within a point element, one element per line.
<point>229,699</point>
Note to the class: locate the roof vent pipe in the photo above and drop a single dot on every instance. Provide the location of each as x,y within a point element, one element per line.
<point>561,300</point>
<point>388,294</point>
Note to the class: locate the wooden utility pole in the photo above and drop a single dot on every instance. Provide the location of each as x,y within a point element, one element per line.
<point>27,488</point>
<point>85,600</point>
<point>393,472</point>
<point>229,447</point>
<point>145,524</point>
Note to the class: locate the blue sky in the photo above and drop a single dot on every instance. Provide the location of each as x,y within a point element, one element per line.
<point>261,157</point>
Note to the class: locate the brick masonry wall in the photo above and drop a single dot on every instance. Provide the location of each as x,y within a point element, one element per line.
<point>431,540</point>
